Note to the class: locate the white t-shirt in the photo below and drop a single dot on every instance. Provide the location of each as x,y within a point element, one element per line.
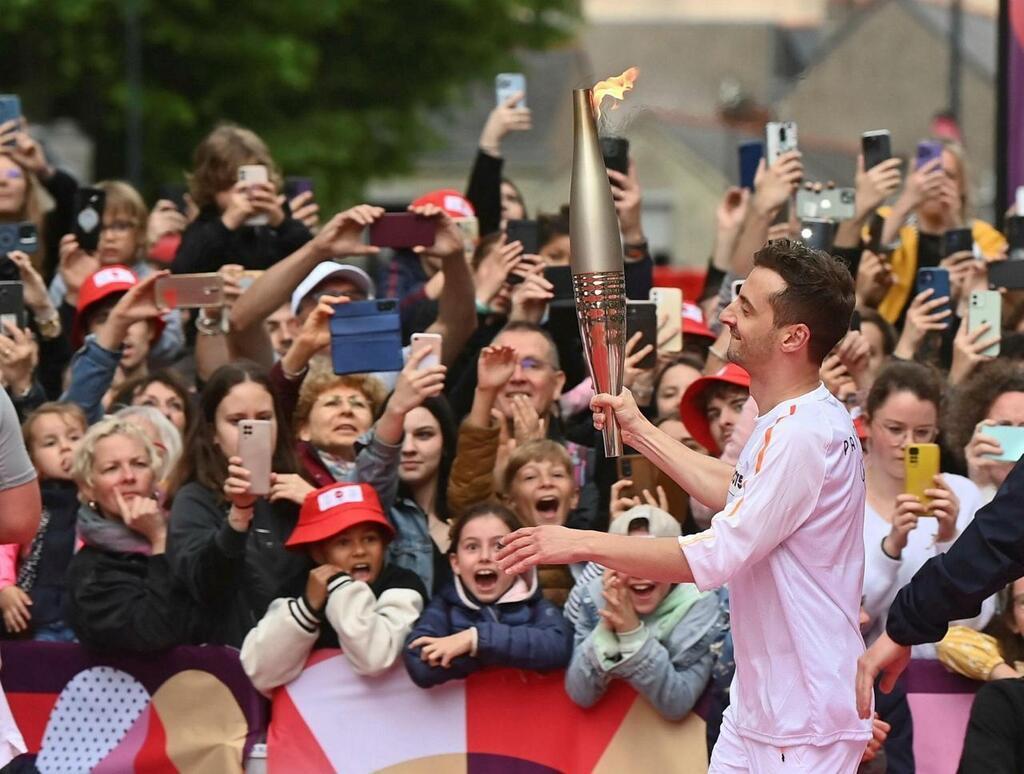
<point>790,545</point>
<point>884,577</point>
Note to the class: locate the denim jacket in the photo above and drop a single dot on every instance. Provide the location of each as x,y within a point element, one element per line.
<point>667,659</point>
<point>92,371</point>
<point>413,547</point>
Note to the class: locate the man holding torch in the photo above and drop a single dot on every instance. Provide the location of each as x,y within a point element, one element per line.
<point>788,538</point>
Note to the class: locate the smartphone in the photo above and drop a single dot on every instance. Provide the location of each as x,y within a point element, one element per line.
<point>921,466</point>
<point>1014,228</point>
<point>174,192</point>
<point>831,203</point>
<point>1006,274</point>
<point>254,173</point>
<point>817,233</point>
<point>937,279</point>
<point>430,342</point>
<point>89,205</point>
<point>642,316</point>
<point>645,475</point>
<point>507,84</point>
<point>780,137</point>
<point>561,278</point>
<point>641,471</point>
<point>855,320</point>
<point>927,150</point>
<point>1010,438</point>
<point>735,288</point>
<point>256,450</point>
<point>12,305</point>
<point>957,240</point>
<point>523,266</point>
<point>876,147</point>
<point>293,186</point>
<point>10,109</point>
<point>615,151</point>
<point>403,230</point>
<point>668,303</point>
<point>366,337</point>
<point>750,154</point>
<point>526,232</point>
<point>189,291</point>
<point>18,236</point>
<point>875,228</point>
<point>986,306</point>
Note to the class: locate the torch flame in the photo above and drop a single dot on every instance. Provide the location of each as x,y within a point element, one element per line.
<point>615,87</point>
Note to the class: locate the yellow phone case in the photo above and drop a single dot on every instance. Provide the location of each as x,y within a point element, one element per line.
<point>921,464</point>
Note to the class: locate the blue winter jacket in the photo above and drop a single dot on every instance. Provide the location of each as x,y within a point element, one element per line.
<point>521,630</point>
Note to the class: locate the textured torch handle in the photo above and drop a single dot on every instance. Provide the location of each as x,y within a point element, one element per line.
<point>601,312</point>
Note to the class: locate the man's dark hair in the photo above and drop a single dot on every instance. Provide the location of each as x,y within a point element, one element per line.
<point>819,292</point>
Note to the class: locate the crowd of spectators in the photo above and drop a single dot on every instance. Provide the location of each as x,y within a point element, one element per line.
<point>390,491</point>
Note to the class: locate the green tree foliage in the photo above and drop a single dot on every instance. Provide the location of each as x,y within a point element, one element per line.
<point>336,86</point>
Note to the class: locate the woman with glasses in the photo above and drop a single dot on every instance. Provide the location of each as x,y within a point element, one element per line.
<point>900,533</point>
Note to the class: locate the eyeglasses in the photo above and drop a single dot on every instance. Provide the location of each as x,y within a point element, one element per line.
<point>120,226</point>
<point>534,365</point>
<point>354,402</point>
<point>898,433</point>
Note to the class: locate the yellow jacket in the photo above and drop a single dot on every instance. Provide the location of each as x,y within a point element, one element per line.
<point>904,262</point>
<point>970,653</point>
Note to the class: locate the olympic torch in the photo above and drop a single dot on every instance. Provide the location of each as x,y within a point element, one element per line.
<point>598,277</point>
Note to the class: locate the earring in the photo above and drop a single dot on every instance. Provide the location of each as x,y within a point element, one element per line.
<point>92,504</point>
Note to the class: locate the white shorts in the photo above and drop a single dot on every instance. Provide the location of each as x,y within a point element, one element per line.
<point>734,754</point>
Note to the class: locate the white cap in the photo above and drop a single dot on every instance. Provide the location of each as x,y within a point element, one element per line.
<point>659,523</point>
<point>322,271</point>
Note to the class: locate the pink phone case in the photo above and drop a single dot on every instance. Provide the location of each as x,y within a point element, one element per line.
<point>255,449</point>
<point>403,229</point>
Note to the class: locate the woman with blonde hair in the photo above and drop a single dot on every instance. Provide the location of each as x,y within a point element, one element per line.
<point>122,594</point>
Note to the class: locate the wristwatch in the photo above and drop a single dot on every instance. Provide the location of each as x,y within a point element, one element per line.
<point>211,326</point>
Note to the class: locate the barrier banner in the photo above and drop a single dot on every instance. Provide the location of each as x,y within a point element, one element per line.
<point>191,709</point>
<point>499,720</point>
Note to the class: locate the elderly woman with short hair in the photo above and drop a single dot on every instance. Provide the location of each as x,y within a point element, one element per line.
<point>122,595</point>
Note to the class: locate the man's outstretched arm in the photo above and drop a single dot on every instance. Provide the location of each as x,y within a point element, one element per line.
<point>656,559</point>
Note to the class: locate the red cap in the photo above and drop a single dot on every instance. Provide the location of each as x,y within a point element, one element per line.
<point>451,201</point>
<point>333,509</point>
<point>692,410</point>
<point>693,322</point>
<point>97,286</point>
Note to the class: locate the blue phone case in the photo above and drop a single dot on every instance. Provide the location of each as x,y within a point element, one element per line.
<point>1010,438</point>
<point>10,108</point>
<point>937,279</point>
<point>366,337</point>
<point>750,154</point>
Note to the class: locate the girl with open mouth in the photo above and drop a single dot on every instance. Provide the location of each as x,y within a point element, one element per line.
<point>466,626</point>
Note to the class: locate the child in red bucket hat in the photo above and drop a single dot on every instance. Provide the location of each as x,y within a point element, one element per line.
<point>353,599</point>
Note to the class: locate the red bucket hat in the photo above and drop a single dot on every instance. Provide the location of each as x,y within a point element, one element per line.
<point>99,285</point>
<point>693,322</point>
<point>334,508</point>
<point>451,201</point>
<point>691,407</point>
